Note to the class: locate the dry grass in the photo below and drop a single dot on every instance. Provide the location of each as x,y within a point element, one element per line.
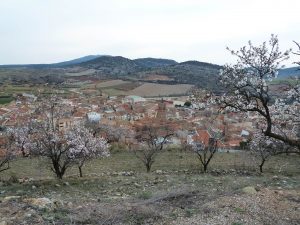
<point>171,161</point>
<point>178,194</point>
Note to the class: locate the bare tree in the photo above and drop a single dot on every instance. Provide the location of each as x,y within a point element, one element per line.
<point>112,134</point>
<point>205,147</point>
<point>247,90</point>
<point>151,141</point>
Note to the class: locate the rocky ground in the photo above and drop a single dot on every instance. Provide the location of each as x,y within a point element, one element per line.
<point>161,197</point>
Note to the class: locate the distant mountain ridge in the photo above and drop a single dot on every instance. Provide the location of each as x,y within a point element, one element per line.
<point>59,64</point>
<point>289,72</point>
<point>106,61</point>
<point>201,74</point>
<point>78,60</point>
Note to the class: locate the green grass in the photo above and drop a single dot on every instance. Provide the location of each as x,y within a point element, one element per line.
<point>286,80</point>
<point>7,91</point>
<point>239,210</point>
<point>172,161</point>
<point>5,100</point>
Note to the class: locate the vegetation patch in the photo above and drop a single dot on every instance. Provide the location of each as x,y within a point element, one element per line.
<point>5,99</point>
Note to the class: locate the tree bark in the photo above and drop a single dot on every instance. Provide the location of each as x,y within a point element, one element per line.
<point>80,171</point>
<point>148,167</point>
<point>205,168</point>
<point>261,165</point>
<point>57,170</point>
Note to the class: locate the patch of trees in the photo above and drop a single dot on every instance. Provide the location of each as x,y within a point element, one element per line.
<point>62,146</point>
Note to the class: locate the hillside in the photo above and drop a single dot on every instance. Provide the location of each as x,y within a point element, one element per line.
<point>153,62</point>
<point>76,61</point>
<point>53,65</point>
<point>203,75</point>
<point>197,73</point>
<point>288,72</point>
<point>154,70</point>
<point>111,65</point>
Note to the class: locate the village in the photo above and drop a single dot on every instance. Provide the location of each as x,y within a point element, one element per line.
<point>188,120</point>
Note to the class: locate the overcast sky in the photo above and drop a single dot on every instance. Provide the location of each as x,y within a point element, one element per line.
<point>47,31</point>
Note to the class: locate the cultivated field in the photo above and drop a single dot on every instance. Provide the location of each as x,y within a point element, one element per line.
<point>116,190</point>
<point>111,83</point>
<point>158,77</point>
<point>82,73</point>
<point>151,90</point>
<point>120,87</point>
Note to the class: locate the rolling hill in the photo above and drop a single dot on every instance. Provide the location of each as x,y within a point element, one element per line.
<point>76,61</point>
<point>201,74</point>
<point>288,72</point>
<point>111,65</point>
<point>154,63</point>
<point>115,67</point>
<point>53,65</point>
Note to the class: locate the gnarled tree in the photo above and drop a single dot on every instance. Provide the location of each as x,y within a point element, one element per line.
<point>247,90</point>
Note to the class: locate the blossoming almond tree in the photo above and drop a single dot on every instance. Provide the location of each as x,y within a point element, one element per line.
<point>64,147</point>
<point>85,146</point>
<point>247,90</point>
<point>16,143</point>
<point>20,138</point>
<point>262,148</point>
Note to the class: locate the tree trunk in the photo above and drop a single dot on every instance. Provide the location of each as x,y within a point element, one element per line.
<point>261,166</point>
<point>80,171</point>
<point>148,167</point>
<point>59,176</point>
<point>58,171</point>
<point>205,167</point>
